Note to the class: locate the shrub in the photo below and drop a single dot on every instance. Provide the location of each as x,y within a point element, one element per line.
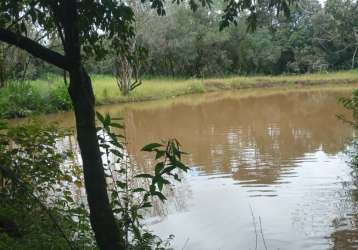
<point>19,99</point>
<point>59,99</point>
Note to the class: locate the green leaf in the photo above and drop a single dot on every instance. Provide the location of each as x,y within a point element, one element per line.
<point>107,119</point>
<point>159,154</point>
<point>168,169</point>
<point>100,117</point>
<point>160,185</point>
<point>180,165</point>
<point>160,195</point>
<point>116,125</point>
<point>151,147</point>
<point>159,167</point>
<point>121,184</point>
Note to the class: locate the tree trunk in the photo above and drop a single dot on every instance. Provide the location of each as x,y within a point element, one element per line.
<point>102,219</point>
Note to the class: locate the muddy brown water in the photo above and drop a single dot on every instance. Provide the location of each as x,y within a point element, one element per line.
<point>268,169</point>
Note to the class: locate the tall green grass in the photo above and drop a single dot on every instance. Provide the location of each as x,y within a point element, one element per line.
<point>106,90</point>
<point>22,98</point>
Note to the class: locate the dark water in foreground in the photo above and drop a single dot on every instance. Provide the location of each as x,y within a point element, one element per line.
<point>268,169</point>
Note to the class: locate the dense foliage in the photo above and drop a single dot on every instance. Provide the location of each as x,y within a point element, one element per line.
<point>314,38</point>
<point>20,98</point>
<point>186,43</point>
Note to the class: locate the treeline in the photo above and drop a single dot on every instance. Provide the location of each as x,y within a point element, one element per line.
<point>314,38</point>
<point>183,43</point>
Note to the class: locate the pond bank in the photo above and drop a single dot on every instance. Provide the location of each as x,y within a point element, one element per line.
<point>107,92</point>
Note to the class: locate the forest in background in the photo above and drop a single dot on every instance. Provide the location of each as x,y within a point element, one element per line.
<point>190,44</point>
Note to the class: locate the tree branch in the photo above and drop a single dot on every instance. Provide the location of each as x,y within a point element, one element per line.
<point>34,48</point>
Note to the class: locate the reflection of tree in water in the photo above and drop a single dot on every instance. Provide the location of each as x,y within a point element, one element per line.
<point>345,235</point>
<point>177,194</point>
<point>256,139</point>
<point>345,239</point>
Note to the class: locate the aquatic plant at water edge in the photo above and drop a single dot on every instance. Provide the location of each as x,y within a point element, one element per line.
<point>132,192</point>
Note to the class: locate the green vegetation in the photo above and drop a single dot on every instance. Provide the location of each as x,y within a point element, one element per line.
<point>49,94</point>
<point>39,180</point>
<point>19,99</point>
<point>106,90</point>
<point>71,37</point>
<point>316,38</point>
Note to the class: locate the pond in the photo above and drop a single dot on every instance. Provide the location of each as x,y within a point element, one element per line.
<point>268,168</point>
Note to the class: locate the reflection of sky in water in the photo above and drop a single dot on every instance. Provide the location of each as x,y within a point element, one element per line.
<point>275,155</point>
<point>298,216</point>
<point>275,151</point>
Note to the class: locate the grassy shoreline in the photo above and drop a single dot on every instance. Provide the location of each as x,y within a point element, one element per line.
<point>107,92</point>
<point>51,89</point>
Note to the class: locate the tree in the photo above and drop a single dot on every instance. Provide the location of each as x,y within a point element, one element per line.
<point>82,27</point>
<point>336,32</point>
<point>128,65</point>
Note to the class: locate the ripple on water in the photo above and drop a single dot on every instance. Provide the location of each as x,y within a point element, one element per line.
<point>269,163</point>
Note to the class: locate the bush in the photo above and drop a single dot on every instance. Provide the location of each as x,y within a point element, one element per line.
<point>19,99</point>
<point>59,99</point>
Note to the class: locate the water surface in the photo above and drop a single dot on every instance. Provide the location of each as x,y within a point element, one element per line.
<point>268,168</point>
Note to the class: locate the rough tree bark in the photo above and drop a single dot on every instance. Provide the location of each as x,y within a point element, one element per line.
<point>101,216</point>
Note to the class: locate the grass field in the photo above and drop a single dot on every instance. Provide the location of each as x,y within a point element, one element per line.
<point>106,90</point>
